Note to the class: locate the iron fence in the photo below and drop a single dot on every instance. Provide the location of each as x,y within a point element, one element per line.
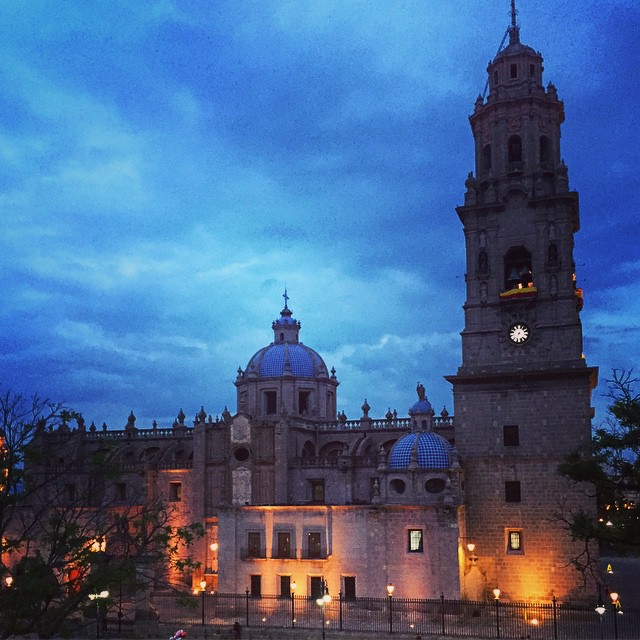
<point>441,616</point>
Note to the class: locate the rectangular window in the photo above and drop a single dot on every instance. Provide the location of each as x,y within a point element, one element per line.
<point>303,402</point>
<point>317,491</point>
<point>70,491</point>
<point>514,541</point>
<point>271,402</point>
<point>175,491</point>
<point>349,588</point>
<point>512,491</point>
<point>514,71</point>
<point>121,491</point>
<point>253,544</point>
<point>314,545</point>
<point>415,541</point>
<point>256,586</point>
<point>316,587</point>
<point>511,435</point>
<point>284,544</point>
<point>285,586</point>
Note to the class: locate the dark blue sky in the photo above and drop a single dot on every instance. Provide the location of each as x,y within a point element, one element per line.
<point>166,167</point>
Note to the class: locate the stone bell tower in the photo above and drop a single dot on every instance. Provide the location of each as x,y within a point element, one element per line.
<point>522,394</point>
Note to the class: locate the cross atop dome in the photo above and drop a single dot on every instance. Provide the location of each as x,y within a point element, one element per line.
<point>514,29</point>
<point>286,328</point>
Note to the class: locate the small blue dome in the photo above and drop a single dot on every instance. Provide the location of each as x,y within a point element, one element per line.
<point>272,361</point>
<point>434,452</point>
<point>421,406</point>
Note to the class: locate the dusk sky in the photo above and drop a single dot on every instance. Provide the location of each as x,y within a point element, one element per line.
<point>167,167</point>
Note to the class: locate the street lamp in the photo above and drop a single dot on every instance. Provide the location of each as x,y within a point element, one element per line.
<point>496,595</point>
<point>293,604</point>
<point>390,589</point>
<point>203,589</point>
<point>322,602</point>
<point>8,581</point>
<point>616,609</point>
<point>97,597</point>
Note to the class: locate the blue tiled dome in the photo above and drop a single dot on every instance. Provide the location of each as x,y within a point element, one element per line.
<point>272,361</point>
<point>434,452</point>
<point>421,406</point>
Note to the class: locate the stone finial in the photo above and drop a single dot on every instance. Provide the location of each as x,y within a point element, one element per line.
<point>154,425</point>
<point>389,415</point>
<point>365,409</point>
<point>226,414</point>
<point>181,417</point>
<point>240,374</point>
<point>203,414</point>
<point>342,417</point>
<point>420,391</point>
<point>333,373</point>
<point>80,423</point>
<point>92,427</point>
<point>444,413</point>
<point>104,426</point>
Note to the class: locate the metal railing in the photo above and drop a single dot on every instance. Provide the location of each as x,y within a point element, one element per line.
<point>440,616</point>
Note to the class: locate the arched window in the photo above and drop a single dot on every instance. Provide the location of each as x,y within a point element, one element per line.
<point>515,149</point>
<point>486,159</point>
<point>545,151</point>
<point>517,268</point>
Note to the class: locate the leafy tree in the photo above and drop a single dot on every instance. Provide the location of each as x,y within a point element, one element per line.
<point>61,538</point>
<point>612,466</point>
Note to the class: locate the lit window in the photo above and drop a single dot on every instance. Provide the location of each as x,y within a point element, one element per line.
<point>514,541</point>
<point>415,541</point>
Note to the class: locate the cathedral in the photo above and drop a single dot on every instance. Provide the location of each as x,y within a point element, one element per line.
<point>296,498</point>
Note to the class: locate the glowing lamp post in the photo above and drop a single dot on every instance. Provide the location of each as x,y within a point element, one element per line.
<point>97,597</point>
<point>293,604</point>
<point>390,589</point>
<point>203,589</point>
<point>616,609</point>
<point>496,595</point>
<point>8,581</point>
<point>322,603</point>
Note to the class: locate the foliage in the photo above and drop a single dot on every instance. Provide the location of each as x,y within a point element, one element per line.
<point>612,465</point>
<point>62,537</point>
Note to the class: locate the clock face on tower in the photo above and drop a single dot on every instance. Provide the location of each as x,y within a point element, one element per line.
<point>519,333</point>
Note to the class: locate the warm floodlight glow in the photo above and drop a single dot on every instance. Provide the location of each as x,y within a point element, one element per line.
<point>600,609</point>
<point>614,597</point>
<point>8,581</point>
<point>293,586</point>
<point>213,546</point>
<point>390,589</point>
<point>326,598</point>
<point>319,602</point>
<point>471,547</point>
<point>534,622</point>
<point>98,545</point>
<point>496,593</point>
<point>203,584</point>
